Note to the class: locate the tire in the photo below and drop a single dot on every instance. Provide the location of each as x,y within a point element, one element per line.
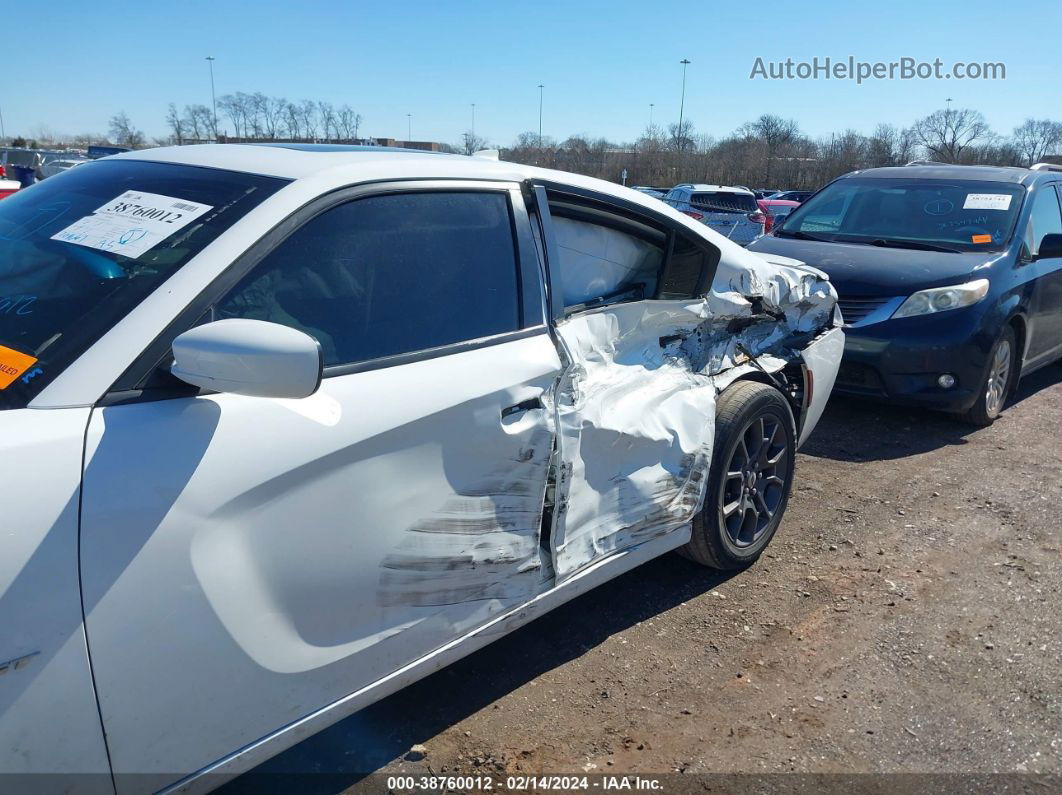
<point>996,385</point>
<point>740,514</point>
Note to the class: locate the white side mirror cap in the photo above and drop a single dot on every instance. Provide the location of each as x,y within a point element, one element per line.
<point>249,357</point>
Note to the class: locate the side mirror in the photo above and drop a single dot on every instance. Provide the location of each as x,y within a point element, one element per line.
<point>1050,247</point>
<point>249,357</point>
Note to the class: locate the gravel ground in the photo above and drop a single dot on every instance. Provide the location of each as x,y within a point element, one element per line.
<point>907,618</point>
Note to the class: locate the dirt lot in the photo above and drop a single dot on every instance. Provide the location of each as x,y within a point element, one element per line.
<point>907,618</point>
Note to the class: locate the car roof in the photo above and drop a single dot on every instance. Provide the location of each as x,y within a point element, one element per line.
<point>355,165</point>
<point>1011,174</point>
<point>781,202</point>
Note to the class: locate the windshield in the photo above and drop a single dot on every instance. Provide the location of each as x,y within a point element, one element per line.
<point>81,249</point>
<point>960,215</point>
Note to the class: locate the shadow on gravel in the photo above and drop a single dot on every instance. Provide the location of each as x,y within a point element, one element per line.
<point>368,740</point>
<point>864,430</point>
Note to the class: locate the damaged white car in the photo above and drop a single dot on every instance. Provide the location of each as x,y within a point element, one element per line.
<point>287,428</point>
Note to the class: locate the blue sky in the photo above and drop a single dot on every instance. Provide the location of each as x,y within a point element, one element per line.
<point>602,63</point>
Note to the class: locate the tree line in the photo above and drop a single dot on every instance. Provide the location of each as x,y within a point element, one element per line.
<point>768,152</point>
<point>773,152</point>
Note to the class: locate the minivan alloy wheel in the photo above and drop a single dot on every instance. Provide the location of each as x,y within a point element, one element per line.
<point>998,378</point>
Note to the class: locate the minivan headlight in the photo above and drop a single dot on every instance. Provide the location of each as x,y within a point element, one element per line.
<point>941,299</point>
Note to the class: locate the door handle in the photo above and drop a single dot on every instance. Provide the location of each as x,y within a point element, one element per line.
<point>526,405</point>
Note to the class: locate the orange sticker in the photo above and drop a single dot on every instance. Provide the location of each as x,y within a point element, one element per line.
<point>12,365</point>
<point>981,238</point>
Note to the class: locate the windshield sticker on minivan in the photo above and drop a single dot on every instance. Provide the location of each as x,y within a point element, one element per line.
<point>987,201</point>
<point>980,238</point>
<point>13,364</point>
<point>132,223</point>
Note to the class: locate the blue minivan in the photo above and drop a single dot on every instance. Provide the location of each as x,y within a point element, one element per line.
<point>949,278</point>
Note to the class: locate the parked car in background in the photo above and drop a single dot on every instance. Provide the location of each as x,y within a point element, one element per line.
<point>732,212</point>
<point>792,195</point>
<point>57,165</point>
<point>776,210</point>
<point>321,421</point>
<point>7,186</point>
<point>763,193</point>
<point>649,190</point>
<point>950,279</point>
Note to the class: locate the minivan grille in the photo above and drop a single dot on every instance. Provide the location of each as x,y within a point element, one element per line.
<point>856,309</point>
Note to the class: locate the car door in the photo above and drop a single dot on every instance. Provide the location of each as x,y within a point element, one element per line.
<point>635,425</point>
<point>1045,321</point>
<point>248,561</point>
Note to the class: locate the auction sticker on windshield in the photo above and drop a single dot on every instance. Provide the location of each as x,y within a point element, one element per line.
<point>987,201</point>
<point>133,223</point>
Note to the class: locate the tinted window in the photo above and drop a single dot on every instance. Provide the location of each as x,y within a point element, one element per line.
<point>689,269</point>
<point>965,215</point>
<point>1044,219</point>
<point>390,274</point>
<point>70,269</point>
<point>724,202</point>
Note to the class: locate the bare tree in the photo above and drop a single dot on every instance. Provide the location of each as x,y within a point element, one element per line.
<point>349,122</point>
<point>293,120</point>
<point>177,124</point>
<point>308,118</point>
<point>681,139</point>
<point>124,133</point>
<point>1036,138</point>
<point>329,123</point>
<point>471,143</point>
<point>946,135</point>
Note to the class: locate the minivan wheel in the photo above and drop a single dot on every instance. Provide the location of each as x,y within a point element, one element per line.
<point>998,381</point>
<point>750,479</point>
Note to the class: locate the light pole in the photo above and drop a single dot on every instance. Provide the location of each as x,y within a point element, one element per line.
<point>409,126</point>
<point>540,87</point>
<point>682,104</point>
<point>650,114</point>
<point>213,97</point>
<point>473,118</point>
<point>3,136</point>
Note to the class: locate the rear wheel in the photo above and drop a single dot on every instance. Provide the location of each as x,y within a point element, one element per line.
<point>750,478</point>
<point>998,381</point>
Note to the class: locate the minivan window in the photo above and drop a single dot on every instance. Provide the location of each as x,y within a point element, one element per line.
<point>959,215</point>
<point>1044,219</point>
<point>390,274</point>
<point>75,258</point>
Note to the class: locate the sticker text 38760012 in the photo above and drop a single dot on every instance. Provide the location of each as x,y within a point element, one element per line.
<point>132,223</point>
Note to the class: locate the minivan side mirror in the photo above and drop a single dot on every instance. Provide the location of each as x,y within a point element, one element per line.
<point>1050,246</point>
<point>249,357</point>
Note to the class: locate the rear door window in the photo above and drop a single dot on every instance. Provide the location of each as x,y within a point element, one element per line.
<point>607,256</point>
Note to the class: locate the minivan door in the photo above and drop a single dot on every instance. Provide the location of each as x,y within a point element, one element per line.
<point>247,562</point>
<point>1045,321</point>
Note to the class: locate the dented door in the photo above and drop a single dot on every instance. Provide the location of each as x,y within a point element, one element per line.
<point>283,554</point>
<point>635,428</point>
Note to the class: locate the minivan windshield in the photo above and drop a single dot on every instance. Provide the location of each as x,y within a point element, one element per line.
<point>935,215</point>
<point>81,249</point>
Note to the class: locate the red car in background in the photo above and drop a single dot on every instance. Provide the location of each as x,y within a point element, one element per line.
<point>7,186</point>
<point>776,211</point>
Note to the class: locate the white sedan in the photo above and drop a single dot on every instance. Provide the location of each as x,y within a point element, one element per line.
<point>287,428</point>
